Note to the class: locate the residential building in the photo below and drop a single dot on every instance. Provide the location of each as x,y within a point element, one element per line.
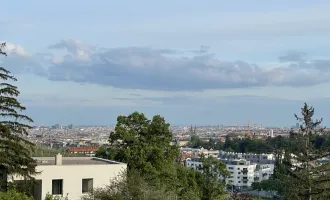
<point>72,176</point>
<point>262,159</point>
<point>211,152</point>
<point>200,152</point>
<point>194,163</point>
<point>242,172</point>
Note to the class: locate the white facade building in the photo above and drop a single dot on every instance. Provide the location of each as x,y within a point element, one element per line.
<point>242,172</point>
<point>72,176</point>
<point>194,163</point>
<point>260,159</point>
<point>201,151</point>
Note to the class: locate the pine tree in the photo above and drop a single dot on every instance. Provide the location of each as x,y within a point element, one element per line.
<point>15,151</point>
<point>304,177</point>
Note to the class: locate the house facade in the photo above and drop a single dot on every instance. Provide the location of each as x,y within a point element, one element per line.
<point>71,176</point>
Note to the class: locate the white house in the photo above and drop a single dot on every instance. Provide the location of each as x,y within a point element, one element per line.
<point>72,176</point>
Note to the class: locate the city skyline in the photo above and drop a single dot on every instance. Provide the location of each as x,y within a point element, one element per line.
<point>191,62</point>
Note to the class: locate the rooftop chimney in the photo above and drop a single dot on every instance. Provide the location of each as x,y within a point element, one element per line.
<point>58,159</point>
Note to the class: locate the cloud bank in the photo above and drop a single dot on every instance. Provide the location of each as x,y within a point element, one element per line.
<point>162,69</point>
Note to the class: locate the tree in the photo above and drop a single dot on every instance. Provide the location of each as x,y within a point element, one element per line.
<point>213,171</point>
<point>15,151</point>
<point>188,183</point>
<point>145,145</point>
<point>300,172</point>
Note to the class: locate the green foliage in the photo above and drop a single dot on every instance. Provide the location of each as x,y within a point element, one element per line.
<point>51,197</point>
<point>212,187</point>
<point>233,144</point>
<point>14,195</point>
<point>196,142</point>
<point>130,185</point>
<point>15,151</point>
<point>308,179</point>
<point>144,145</point>
<point>270,185</point>
<point>188,183</point>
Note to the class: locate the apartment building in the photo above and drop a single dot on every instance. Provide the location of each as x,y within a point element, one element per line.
<point>195,163</point>
<point>207,153</point>
<point>200,152</point>
<point>72,176</point>
<point>253,157</point>
<point>242,172</point>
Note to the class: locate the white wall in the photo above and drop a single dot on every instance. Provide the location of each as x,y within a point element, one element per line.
<point>237,174</point>
<point>72,176</point>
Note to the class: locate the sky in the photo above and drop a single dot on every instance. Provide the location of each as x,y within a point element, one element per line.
<point>192,62</point>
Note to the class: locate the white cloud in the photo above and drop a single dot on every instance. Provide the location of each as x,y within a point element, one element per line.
<point>159,69</point>
<point>15,50</point>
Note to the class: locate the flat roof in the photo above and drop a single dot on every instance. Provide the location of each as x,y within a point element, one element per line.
<point>75,161</point>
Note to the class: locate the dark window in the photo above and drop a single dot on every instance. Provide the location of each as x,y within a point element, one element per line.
<point>87,185</point>
<point>57,186</point>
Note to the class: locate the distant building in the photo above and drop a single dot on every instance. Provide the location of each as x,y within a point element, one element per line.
<point>72,176</point>
<point>242,172</point>
<point>200,152</point>
<point>70,126</point>
<point>56,126</point>
<point>244,168</point>
<point>252,157</point>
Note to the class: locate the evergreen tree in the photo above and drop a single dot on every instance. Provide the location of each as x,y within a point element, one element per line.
<point>15,151</point>
<point>300,171</point>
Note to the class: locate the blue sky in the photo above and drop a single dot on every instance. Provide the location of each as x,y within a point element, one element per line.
<point>193,62</point>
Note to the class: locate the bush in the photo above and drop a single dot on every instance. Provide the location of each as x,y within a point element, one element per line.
<point>14,195</point>
<point>51,197</point>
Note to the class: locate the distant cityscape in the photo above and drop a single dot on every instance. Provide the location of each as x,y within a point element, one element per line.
<point>68,136</point>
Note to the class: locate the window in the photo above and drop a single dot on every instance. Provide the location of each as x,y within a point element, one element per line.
<point>87,185</point>
<point>57,186</point>
<point>230,168</point>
